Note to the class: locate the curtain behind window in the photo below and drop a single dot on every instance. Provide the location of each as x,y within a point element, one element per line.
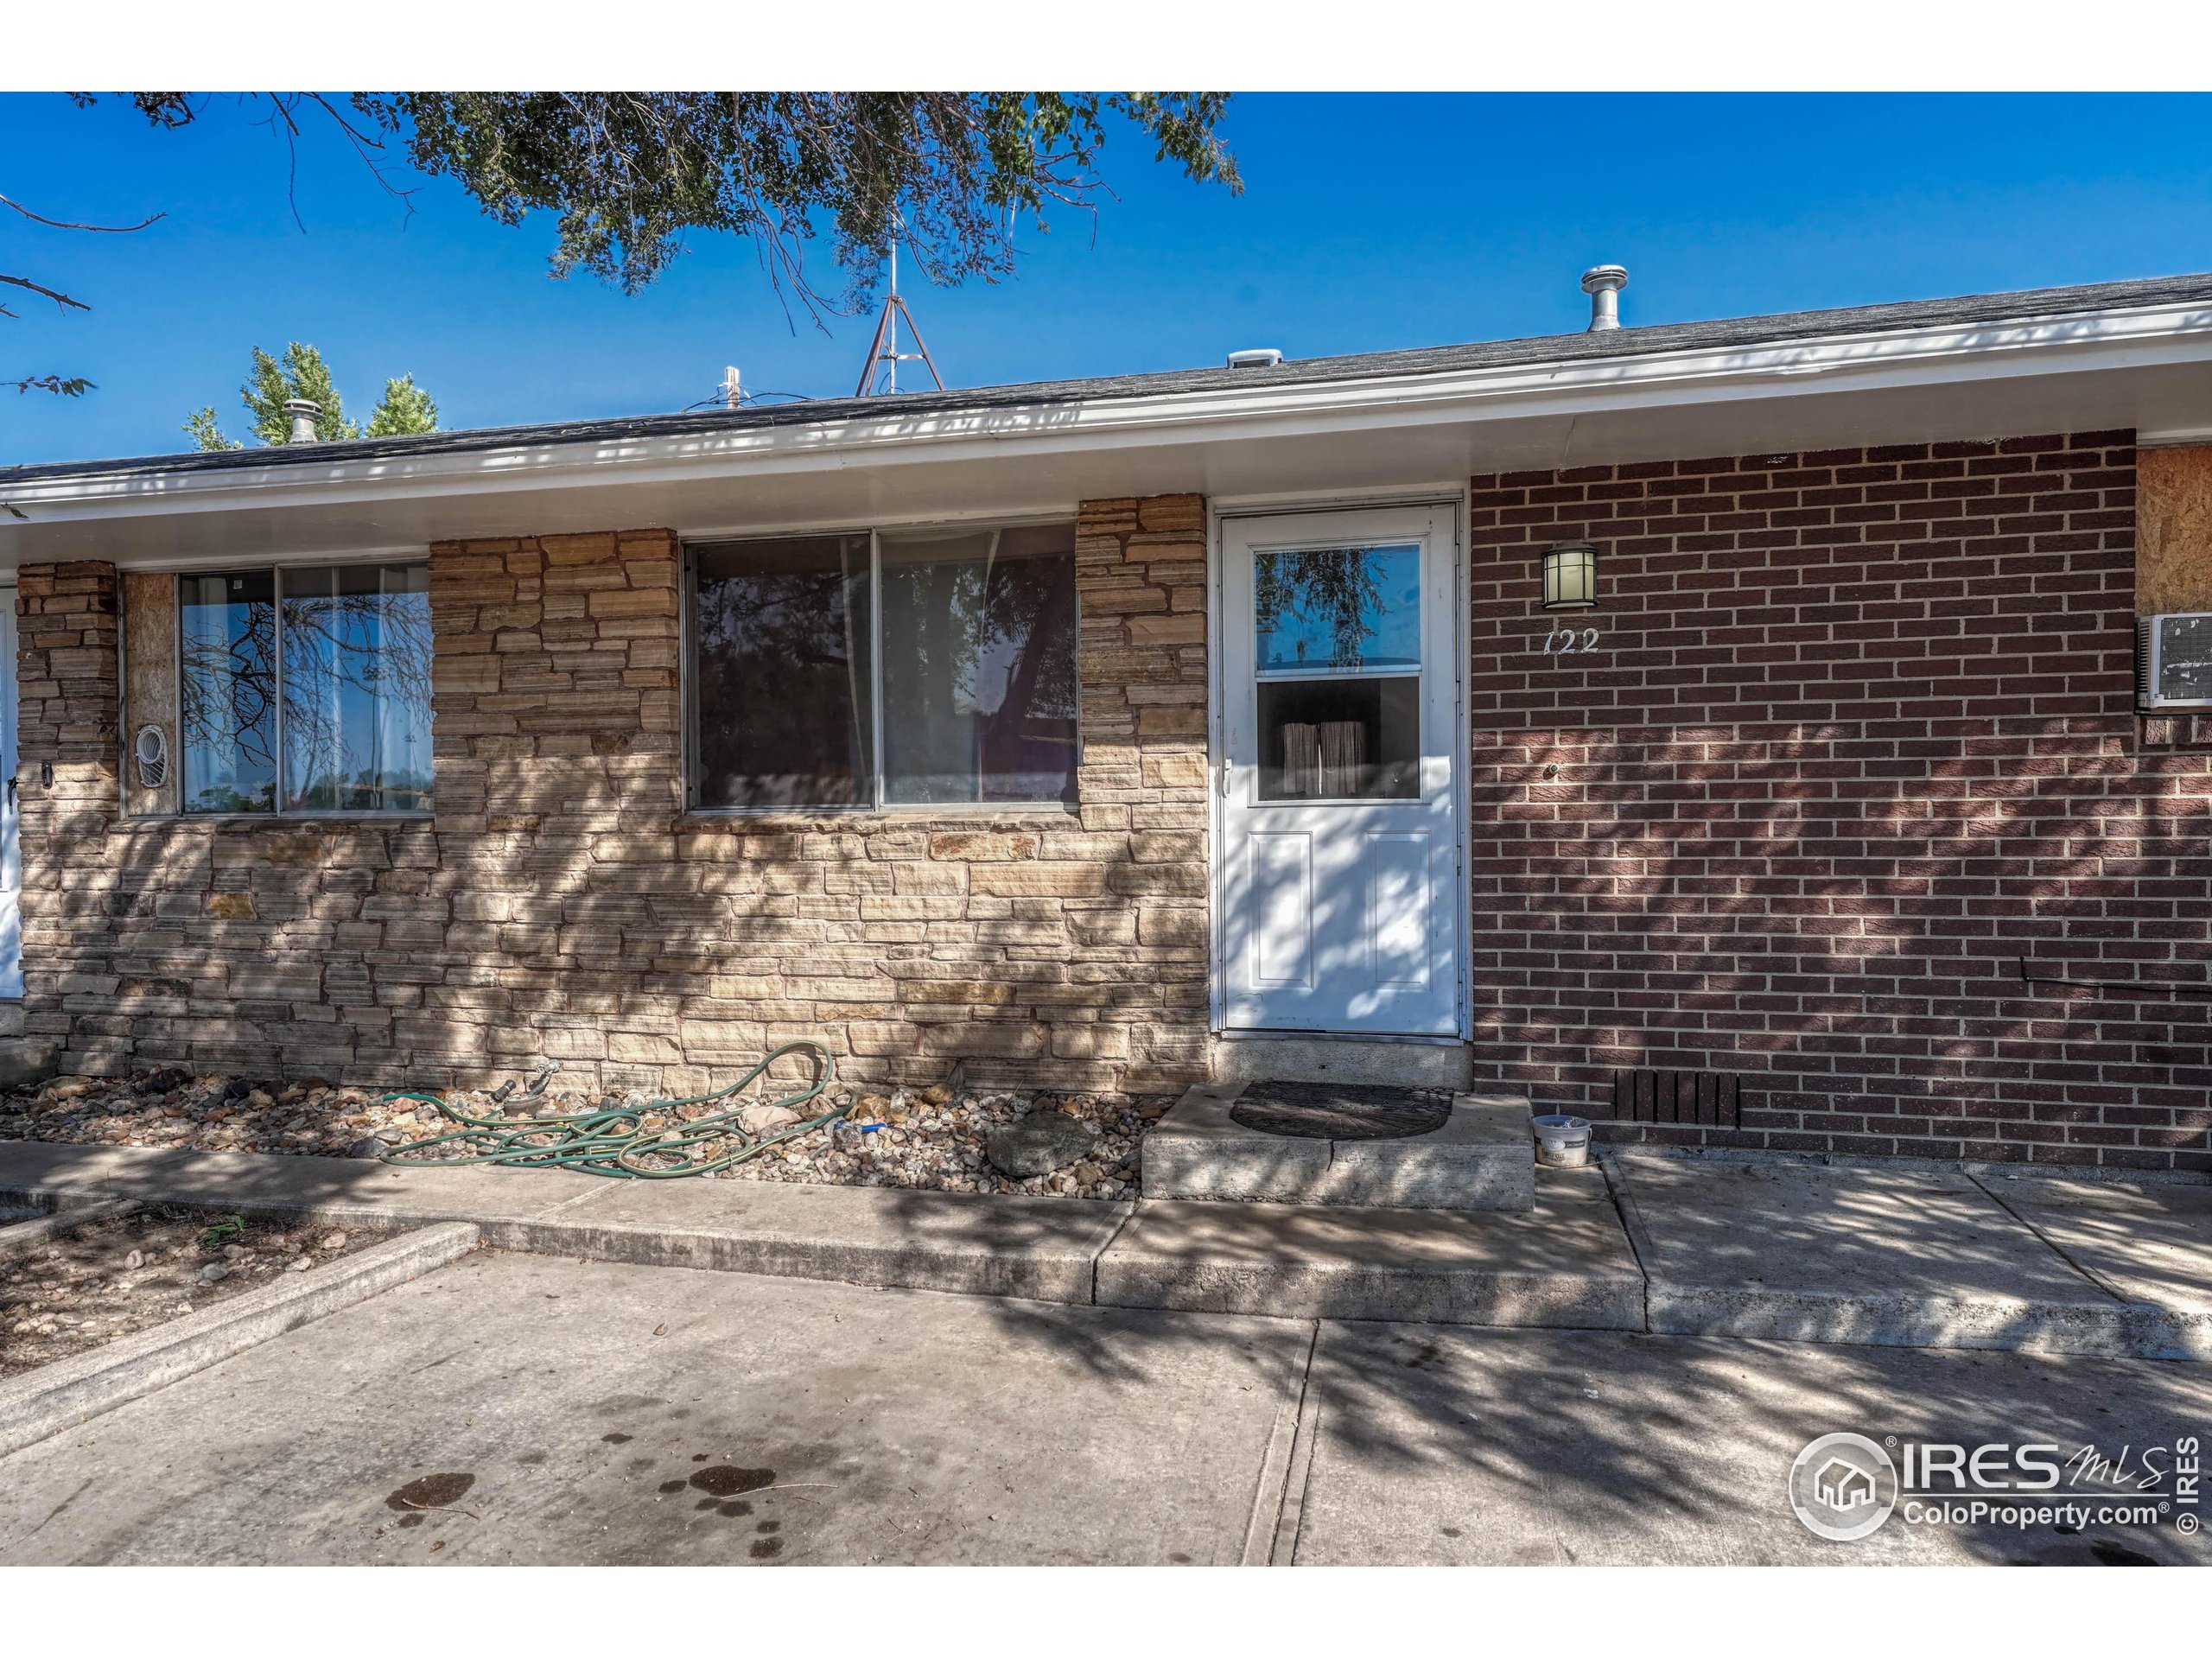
<point>979,679</point>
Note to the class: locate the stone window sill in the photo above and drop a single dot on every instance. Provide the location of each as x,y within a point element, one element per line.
<point>861,819</point>
<point>279,820</point>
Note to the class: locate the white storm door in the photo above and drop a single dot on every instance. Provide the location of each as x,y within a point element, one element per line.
<point>1338,861</point>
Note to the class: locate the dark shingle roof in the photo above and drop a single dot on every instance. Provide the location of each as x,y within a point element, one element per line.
<point>1863,319</point>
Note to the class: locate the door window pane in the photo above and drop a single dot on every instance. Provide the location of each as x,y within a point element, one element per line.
<point>1337,609</point>
<point>979,679</point>
<point>227,667</point>
<point>357,689</point>
<point>1340,739</point>
<point>785,690</point>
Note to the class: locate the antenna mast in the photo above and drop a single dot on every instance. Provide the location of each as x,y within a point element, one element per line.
<point>884,356</point>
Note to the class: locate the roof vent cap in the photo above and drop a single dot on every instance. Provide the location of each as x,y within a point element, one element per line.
<point>305,412</point>
<point>1603,284</point>
<point>1259,357</point>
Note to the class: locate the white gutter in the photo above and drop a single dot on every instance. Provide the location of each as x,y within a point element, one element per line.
<point>1948,355</point>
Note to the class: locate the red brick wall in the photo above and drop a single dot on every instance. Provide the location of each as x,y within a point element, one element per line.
<point>1856,740</point>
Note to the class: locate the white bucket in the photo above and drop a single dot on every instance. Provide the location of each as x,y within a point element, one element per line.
<point>1562,1140</point>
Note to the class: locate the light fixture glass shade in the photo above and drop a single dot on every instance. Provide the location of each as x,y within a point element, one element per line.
<point>1570,576</point>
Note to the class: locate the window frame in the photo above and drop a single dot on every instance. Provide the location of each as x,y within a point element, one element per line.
<point>278,811</point>
<point>688,675</point>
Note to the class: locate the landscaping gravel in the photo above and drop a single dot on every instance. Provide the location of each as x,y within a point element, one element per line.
<point>932,1140</point>
<point>110,1279</point>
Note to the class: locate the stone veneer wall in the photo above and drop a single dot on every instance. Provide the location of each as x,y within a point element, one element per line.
<point>561,906</point>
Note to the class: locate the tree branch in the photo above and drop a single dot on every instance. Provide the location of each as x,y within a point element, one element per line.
<point>69,225</point>
<point>61,300</point>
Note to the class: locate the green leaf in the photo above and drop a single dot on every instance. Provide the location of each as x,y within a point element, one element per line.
<point>404,409</point>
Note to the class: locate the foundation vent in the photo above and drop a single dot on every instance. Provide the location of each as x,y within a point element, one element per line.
<point>1714,1099</point>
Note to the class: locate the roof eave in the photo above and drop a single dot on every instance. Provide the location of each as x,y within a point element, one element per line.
<point>1952,354</point>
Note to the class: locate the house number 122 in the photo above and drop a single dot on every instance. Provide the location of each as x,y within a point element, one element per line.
<point>1561,641</point>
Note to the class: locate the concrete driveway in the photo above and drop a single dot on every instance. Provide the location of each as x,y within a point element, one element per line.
<point>596,1412</point>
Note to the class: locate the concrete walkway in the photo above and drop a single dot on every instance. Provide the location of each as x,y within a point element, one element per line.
<point>532,1408</point>
<point>1692,1246</point>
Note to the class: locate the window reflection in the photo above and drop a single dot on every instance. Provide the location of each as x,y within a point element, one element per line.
<point>979,678</point>
<point>783,684</point>
<point>227,640</point>
<point>357,689</point>
<point>1338,608</point>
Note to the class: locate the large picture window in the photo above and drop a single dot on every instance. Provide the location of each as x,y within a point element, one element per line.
<point>907,669</point>
<point>305,690</point>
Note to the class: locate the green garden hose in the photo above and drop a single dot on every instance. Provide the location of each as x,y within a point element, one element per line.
<point>639,1143</point>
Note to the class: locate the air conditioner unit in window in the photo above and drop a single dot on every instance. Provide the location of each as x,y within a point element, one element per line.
<point>2173,660</point>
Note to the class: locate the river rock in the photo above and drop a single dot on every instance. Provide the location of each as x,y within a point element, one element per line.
<point>1037,1144</point>
<point>764,1117</point>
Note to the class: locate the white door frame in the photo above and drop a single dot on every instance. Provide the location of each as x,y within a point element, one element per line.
<point>1453,497</point>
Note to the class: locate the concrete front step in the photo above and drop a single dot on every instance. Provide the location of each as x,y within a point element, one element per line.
<point>1565,1262</point>
<point>1252,1057</point>
<point>1483,1158</point>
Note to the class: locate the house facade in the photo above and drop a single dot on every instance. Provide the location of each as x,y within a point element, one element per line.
<point>1734,731</point>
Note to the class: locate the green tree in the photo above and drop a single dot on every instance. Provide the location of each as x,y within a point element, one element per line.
<point>948,175</point>
<point>405,407</point>
<point>626,175</point>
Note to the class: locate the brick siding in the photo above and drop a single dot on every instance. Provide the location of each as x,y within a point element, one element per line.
<point>1857,740</point>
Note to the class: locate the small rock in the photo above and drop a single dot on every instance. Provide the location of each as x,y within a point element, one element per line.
<point>936,1095</point>
<point>213,1273</point>
<point>763,1117</point>
<point>233,1252</point>
<point>367,1147</point>
<point>159,1082</point>
<point>1086,1174</point>
<point>301,1265</point>
<point>1037,1145</point>
<point>258,1100</point>
<point>334,1241</point>
<point>134,1261</point>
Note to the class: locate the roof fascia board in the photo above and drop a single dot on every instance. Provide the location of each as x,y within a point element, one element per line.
<point>1953,354</point>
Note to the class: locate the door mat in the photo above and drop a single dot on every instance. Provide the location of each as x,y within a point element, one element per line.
<point>1341,1111</point>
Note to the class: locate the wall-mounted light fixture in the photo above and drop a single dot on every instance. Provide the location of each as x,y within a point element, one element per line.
<point>1570,576</point>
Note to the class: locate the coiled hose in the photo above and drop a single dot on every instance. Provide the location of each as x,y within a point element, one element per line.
<point>638,1143</point>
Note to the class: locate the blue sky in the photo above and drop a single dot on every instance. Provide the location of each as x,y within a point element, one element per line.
<point>1370,222</point>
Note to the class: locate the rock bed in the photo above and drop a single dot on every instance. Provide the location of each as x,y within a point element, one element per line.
<point>930,1140</point>
<point>113,1278</point>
